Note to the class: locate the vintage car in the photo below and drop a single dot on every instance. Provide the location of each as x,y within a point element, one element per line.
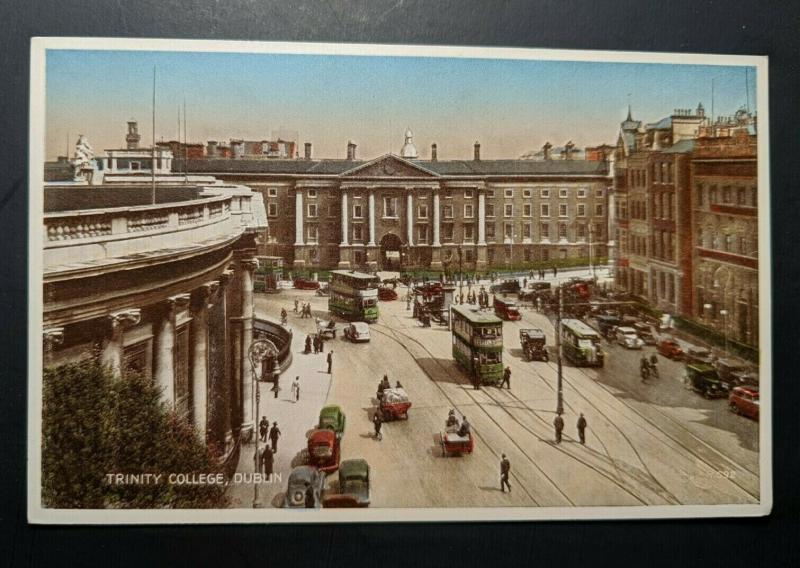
<point>326,328</point>
<point>332,418</point>
<point>354,486</point>
<point>357,331</point>
<point>386,294</point>
<point>628,338</point>
<point>506,287</point>
<point>703,378</point>
<point>300,480</point>
<point>305,284</point>
<point>323,450</point>
<point>733,372</point>
<point>506,309</point>
<point>695,354</point>
<point>533,343</point>
<point>670,349</point>
<point>645,332</point>
<point>606,324</point>
<point>745,401</point>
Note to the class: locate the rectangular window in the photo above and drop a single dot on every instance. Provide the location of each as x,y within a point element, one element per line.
<point>527,210</point>
<point>508,231</point>
<point>358,211</point>
<point>468,211</point>
<point>447,232</point>
<point>562,230</point>
<point>526,231</point>
<point>272,192</point>
<point>509,193</point>
<point>422,234</point>
<point>582,193</point>
<point>312,193</point>
<point>527,193</point>
<point>272,209</point>
<point>544,193</point>
<point>312,233</point>
<point>509,210</point>
<point>598,210</point>
<point>469,233</point>
<point>562,209</point>
<point>390,207</point>
<point>490,209</point>
<point>138,359</point>
<point>447,211</point>
<point>581,210</point>
<point>448,193</point>
<point>469,193</point>
<point>422,211</point>
<point>726,194</point>
<point>490,232</point>
<point>563,193</point>
<point>545,230</point>
<point>544,210</point>
<point>581,231</point>
<point>490,193</point>
<point>598,192</point>
<point>358,231</point>
<point>740,196</point>
<point>312,209</point>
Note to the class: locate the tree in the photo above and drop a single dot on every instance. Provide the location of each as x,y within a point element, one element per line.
<point>95,424</point>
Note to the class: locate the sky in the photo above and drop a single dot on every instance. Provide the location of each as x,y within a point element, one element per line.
<point>510,106</point>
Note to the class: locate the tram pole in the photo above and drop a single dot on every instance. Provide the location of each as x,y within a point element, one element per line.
<point>560,388</point>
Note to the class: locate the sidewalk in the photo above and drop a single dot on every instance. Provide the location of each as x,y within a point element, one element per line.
<point>294,419</point>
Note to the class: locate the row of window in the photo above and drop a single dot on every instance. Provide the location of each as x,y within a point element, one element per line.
<point>391,210</point>
<point>743,244</point>
<point>508,193</point>
<point>660,172</point>
<point>728,195</point>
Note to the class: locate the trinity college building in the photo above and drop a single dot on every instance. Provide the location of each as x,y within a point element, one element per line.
<point>400,211</point>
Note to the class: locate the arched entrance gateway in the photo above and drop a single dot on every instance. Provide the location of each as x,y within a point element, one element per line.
<point>391,258</point>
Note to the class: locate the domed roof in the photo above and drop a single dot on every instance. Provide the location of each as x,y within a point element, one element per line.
<point>409,150</point>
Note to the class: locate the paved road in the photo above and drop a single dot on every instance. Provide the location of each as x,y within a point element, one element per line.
<point>646,444</point>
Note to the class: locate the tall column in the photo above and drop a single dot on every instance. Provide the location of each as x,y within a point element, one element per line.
<point>200,358</point>
<point>436,221</point>
<point>111,354</point>
<point>481,218</point>
<point>298,217</point>
<point>371,242</point>
<point>248,423</point>
<point>165,348</point>
<point>345,217</point>
<point>410,217</point>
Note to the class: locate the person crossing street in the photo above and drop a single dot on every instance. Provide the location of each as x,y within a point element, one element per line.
<point>377,422</point>
<point>263,428</point>
<point>274,434</point>
<point>559,424</point>
<point>505,470</point>
<point>582,429</point>
<point>506,378</point>
<point>330,362</point>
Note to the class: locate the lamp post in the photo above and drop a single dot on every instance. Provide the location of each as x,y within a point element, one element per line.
<point>591,265</point>
<point>259,350</point>
<point>706,308</point>
<point>460,273</point>
<point>724,314</point>
<point>560,387</point>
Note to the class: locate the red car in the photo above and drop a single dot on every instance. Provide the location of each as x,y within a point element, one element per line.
<point>670,349</point>
<point>386,294</point>
<point>304,284</point>
<point>744,400</point>
<point>323,450</point>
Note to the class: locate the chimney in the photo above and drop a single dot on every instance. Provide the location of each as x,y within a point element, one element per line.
<point>434,154</point>
<point>477,151</point>
<point>656,140</point>
<point>211,149</point>
<point>351,151</point>
<point>133,136</point>
<point>569,148</point>
<point>546,150</point>
<point>308,150</point>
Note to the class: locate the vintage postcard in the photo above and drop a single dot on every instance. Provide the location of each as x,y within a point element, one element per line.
<point>288,283</point>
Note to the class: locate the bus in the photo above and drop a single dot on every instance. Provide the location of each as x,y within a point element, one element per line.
<point>580,344</point>
<point>269,271</point>
<point>478,343</point>
<point>354,295</point>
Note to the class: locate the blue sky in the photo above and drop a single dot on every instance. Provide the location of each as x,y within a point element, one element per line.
<point>510,106</point>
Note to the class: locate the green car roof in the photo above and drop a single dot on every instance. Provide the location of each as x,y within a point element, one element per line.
<point>354,468</point>
<point>331,410</point>
<point>701,367</point>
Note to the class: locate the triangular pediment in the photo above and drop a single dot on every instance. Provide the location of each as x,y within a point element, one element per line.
<point>389,165</point>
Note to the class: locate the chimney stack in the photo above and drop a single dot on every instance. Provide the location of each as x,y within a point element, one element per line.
<point>569,148</point>
<point>211,149</point>
<point>308,150</point>
<point>477,152</point>
<point>434,154</point>
<point>133,136</point>
<point>546,150</point>
<point>351,151</point>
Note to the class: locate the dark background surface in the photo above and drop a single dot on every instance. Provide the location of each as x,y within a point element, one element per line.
<point>735,27</point>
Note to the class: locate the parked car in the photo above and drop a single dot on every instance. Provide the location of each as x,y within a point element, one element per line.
<point>357,331</point>
<point>695,354</point>
<point>506,309</point>
<point>703,378</point>
<point>323,450</point>
<point>300,479</point>
<point>670,349</point>
<point>628,338</point>
<point>745,401</point>
<point>505,287</point>
<point>305,284</point>
<point>645,332</point>
<point>732,372</point>
<point>606,324</point>
<point>386,294</point>
<point>333,418</point>
<point>354,480</point>
<point>533,343</point>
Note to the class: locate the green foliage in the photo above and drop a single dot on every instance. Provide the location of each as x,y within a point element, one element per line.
<point>94,424</point>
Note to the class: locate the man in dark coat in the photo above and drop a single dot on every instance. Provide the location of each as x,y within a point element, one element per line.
<point>263,428</point>
<point>321,343</point>
<point>274,434</point>
<point>559,424</point>
<point>377,421</point>
<point>506,378</point>
<point>330,362</point>
<point>582,429</point>
<point>505,469</point>
<point>266,460</point>
<point>308,344</point>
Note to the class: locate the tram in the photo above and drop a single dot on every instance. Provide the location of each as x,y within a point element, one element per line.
<point>478,343</point>
<point>354,295</point>
<point>580,344</point>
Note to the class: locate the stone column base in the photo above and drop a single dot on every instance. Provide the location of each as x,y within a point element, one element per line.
<point>436,258</point>
<point>481,262</point>
<point>344,257</point>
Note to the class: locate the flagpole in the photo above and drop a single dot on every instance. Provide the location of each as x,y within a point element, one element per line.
<point>153,149</point>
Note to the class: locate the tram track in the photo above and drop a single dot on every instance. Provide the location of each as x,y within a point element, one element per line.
<point>524,426</point>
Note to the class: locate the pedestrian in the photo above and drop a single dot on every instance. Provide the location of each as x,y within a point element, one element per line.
<point>263,427</point>
<point>296,389</point>
<point>276,387</point>
<point>505,469</point>
<point>296,306</point>
<point>274,434</point>
<point>311,500</point>
<point>476,380</point>
<point>555,271</point>
<point>266,460</point>
<point>308,344</point>
<point>330,362</point>
<point>559,424</point>
<point>377,422</point>
<point>308,309</point>
<point>524,282</point>
<point>321,343</point>
<point>506,378</point>
<point>582,428</point>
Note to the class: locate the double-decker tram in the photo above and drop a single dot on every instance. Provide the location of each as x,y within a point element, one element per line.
<point>354,295</point>
<point>478,343</point>
<point>580,344</point>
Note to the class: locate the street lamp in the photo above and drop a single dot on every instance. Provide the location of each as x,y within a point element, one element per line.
<point>706,308</point>
<point>560,388</point>
<point>460,274</point>
<point>724,314</point>
<point>591,265</point>
<point>259,350</point>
